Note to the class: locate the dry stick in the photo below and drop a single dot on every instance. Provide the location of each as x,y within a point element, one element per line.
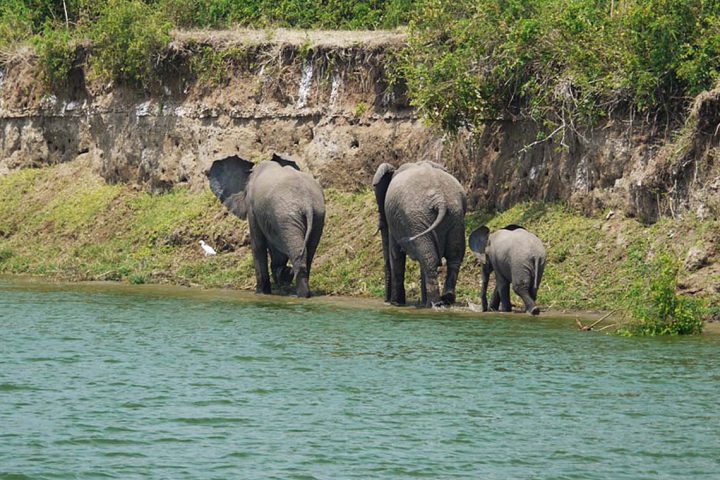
<point>67,23</point>
<point>603,318</point>
<point>587,328</point>
<point>606,326</point>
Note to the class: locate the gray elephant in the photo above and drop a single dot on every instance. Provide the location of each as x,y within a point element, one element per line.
<point>518,259</point>
<point>421,214</point>
<point>285,210</point>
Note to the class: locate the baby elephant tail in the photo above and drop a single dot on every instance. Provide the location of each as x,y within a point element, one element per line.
<point>536,282</point>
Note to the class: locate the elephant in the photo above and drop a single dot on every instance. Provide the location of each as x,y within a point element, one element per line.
<point>285,210</point>
<point>518,259</point>
<point>421,210</point>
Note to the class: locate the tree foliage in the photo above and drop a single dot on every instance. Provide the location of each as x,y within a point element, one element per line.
<point>128,38</point>
<point>559,60</point>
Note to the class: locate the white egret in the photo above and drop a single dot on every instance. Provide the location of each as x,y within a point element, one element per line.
<point>207,248</point>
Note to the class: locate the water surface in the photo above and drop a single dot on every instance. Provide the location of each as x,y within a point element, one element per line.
<point>120,382</point>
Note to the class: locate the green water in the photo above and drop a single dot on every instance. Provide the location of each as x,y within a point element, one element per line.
<point>119,382</point>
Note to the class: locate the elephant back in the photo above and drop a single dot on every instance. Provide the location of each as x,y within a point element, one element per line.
<point>516,244</point>
<point>419,185</point>
<point>284,189</point>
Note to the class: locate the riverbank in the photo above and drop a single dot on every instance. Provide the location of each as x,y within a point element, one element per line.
<point>64,222</point>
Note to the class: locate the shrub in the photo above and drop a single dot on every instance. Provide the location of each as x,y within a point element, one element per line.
<point>15,24</point>
<point>128,39</point>
<point>57,51</point>
<point>352,14</point>
<point>562,61</point>
<point>656,308</point>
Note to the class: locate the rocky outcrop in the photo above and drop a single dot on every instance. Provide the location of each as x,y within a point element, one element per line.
<point>324,98</point>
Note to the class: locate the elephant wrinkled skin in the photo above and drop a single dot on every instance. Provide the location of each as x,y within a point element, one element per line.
<point>517,257</point>
<point>421,214</point>
<point>285,210</point>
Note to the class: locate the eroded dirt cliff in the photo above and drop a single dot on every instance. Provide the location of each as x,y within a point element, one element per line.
<point>324,98</point>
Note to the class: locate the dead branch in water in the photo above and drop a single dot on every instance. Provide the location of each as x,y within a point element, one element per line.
<point>588,328</point>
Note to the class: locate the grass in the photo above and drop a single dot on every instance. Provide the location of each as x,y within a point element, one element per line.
<point>64,222</point>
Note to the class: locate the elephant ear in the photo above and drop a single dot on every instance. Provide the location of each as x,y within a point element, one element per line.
<point>479,241</point>
<point>512,227</point>
<point>285,162</point>
<point>228,180</point>
<point>380,184</point>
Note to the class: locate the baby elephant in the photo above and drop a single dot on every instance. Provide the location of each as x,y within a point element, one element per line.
<point>517,257</point>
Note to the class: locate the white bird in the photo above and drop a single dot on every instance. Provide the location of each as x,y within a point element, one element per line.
<point>207,248</point>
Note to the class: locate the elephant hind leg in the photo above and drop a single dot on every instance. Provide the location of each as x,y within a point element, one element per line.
<point>260,253</point>
<point>448,296</point>
<point>523,292</point>
<point>454,254</point>
<point>314,240</point>
<point>533,293</point>
<point>431,287</point>
<point>495,300</point>
<point>300,271</point>
<point>502,289</point>
<point>281,273</point>
<point>298,258</point>
<point>397,273</point>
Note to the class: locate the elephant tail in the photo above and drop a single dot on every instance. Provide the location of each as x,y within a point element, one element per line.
<point>309,214</point>
<point>442,210</point>
<point>537,272</point>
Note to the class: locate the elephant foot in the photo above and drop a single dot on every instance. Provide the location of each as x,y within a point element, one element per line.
<point>302,286</point>
<point>534,310</point>
<point>448,298</point>
<point>303,290</point>
<point>263,286</point>
<point>398,300</point>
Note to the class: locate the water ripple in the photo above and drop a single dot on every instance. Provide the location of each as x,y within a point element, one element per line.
<point>133,385</point>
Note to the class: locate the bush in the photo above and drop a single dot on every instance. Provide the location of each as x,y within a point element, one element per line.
<point>57,51</point>
<point>350,14</point>
<point>128,39</point>
<point>562,61</point>
<point>656,308</point>
<point>15,24</point>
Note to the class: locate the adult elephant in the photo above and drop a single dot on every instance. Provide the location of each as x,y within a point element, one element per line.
<point>517,257</point>
<point>285,210</point>
<point>421,214</point>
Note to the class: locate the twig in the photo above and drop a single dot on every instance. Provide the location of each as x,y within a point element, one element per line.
<point>67,23</point>
<point>606,326</point>
<point>587,328</point>
<point>537,142</point>
<point>603,318</point>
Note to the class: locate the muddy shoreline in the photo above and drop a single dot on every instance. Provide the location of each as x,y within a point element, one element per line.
<point>243,296</point>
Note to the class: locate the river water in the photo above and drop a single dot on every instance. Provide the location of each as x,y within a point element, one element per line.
<point>122,382</point>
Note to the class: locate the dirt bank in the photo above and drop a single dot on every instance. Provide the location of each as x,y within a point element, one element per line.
<point>324,97</point>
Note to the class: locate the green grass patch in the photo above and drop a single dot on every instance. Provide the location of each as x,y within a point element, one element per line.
<point>65,222</point>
